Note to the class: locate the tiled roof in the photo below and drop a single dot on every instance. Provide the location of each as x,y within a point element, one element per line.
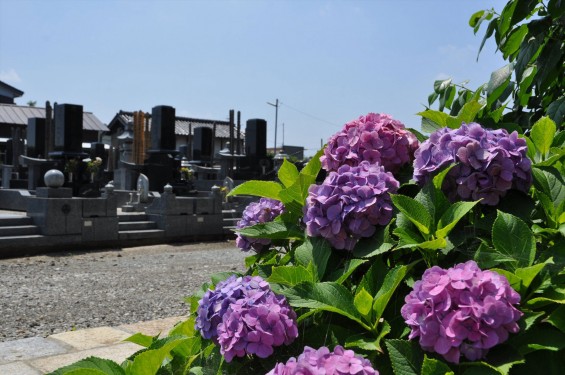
<point>15,91</point>
<point>18,115</point>
<point>182,124</point>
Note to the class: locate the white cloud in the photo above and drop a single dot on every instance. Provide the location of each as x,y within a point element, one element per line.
<point>10,76</point>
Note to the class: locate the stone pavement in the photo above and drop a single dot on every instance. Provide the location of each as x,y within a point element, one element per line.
<point>38,355</point>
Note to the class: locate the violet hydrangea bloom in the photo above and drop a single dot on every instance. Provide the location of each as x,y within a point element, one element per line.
<point>215,303</point>
<point>322,361</point>
<point>244,316</point>
<point>349,204</point>
<point>461,311</point>
<point>377,138</point>
<point>487,162</point>
<point>263,211</point>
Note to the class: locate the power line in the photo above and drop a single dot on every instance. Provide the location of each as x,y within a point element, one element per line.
<point>309,115</point>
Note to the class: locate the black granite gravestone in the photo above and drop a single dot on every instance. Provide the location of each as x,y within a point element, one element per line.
<point>203,138</point>
<point>68,131</point>
<point>163,129</point>
<point>256,138</point>
<point>36,137</point>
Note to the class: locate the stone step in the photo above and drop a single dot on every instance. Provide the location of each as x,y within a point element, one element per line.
<point>18,230</point>
<point>21,242</point>
<point>141,234</point>
<point>123,217</point>
<point>136,225</point>
<point>12,220</point>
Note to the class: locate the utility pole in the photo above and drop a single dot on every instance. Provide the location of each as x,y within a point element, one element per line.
<point>276,120</point>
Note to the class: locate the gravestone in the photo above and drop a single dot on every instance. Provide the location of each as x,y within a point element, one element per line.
<point>203,146</point>
<point>68,131</point>
<point>161,164</point>
<point>256,138</point>
<point>36,137</point>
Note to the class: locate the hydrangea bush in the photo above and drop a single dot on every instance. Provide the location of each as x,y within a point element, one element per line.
<point>458,271</point>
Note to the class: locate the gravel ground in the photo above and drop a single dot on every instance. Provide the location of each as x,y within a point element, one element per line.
<point>54,293</point>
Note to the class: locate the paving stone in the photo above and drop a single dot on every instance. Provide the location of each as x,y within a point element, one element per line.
<point>18,368</point>
<point>117,353</point>
<point>154,327</point>
<point>25,349</point>
<point>91,337</point>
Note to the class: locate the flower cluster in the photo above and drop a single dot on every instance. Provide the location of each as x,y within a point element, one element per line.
<point>93,165</point>
<point>71,165</point>
<point>461,311</point>
<point>263,211</point>
<point>244,316</point>
<point>376,138</point>
<point>186,173</point>
<point>349,204</point>
<point>487,162</point>
<point>322,361</point>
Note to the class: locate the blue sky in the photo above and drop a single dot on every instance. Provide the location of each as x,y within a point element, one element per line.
<point>326,61</point>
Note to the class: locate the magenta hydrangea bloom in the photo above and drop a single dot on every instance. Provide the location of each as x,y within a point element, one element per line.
<point>263,211</point>
<point>487,162</point>
<point>349,204</point>
<point>461,311</point>
<point>322,361</point>
<point>377,138</point>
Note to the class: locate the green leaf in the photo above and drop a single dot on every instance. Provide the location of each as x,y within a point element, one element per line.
<point>526,82</point>
<point>490,29</point>
<point>288,173</point>
<point>325,296</point>
<point>312,168</point>
<point>557,318</point>
<point>437,117</point>
<point>528,50</point>
<point>267,189</point>
<point>511,44</point>
<point>91,366</point>
<point>350,266</point>
<point>315,251</point>
<point>556,110</point>
<point>433,199</point>
<point>406,356</point>
<point>290,275</point>
<point>434,367</point>
<point>378,243</point>
<point>506,17</point>
<point>541,338</point>
<point>527,274</point>
<point>452,216</point>
<point>149,361</point>
<point>441,85</point>
<point>273,230</point>
<point>499,79</point>
<point>429,126</point>
<point>467,114</point>
<point>414,211</point>
<point>550,181</point>
<point>363,302</point>
<point>392,279</point>
<point>512,237</point>
<point>369,343</point>
<point>476,18</point>
<point>141,339</point>
<point>373,279</point>
<point>542,135</point>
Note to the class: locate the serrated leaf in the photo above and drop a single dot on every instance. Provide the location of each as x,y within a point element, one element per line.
<point>437,117</point>
<point>141,339</point>
<point>433,199</point>
<point>350,266</point>
<point>149,361</point>
<point>290,275</point>
<point>452,216</point>
<point>432,366</point>
<point>499,79</point>
<point>312,168</point>
<point>288,173</point>
<point>414,211</point>
<point>266,189</point>
<point>273,230</point>
<point>91,366</point>
<point>374,245</point>
<point>527,274</point>
<point>513,238</point>
<point>556,110</point>
<point>314,251</point>
<point>550,181</point>
<point>511,44</point>
<point>326,296</point>
<point>363,302</point>
<point>467,114</point>
<point>542,135</point>
<point>392,279</point>
<point>406,356</point>
<point>557,318</point>
<point>429,126</point>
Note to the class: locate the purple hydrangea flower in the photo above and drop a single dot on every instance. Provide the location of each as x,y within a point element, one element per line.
<point>215,303</point>
<point>349,204</point>
<point>322,361</point>
<point>487,162</point>
<point>244,316</point>
<point>376,137</point>
<point>461,311</point>
<point>263,211</point>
